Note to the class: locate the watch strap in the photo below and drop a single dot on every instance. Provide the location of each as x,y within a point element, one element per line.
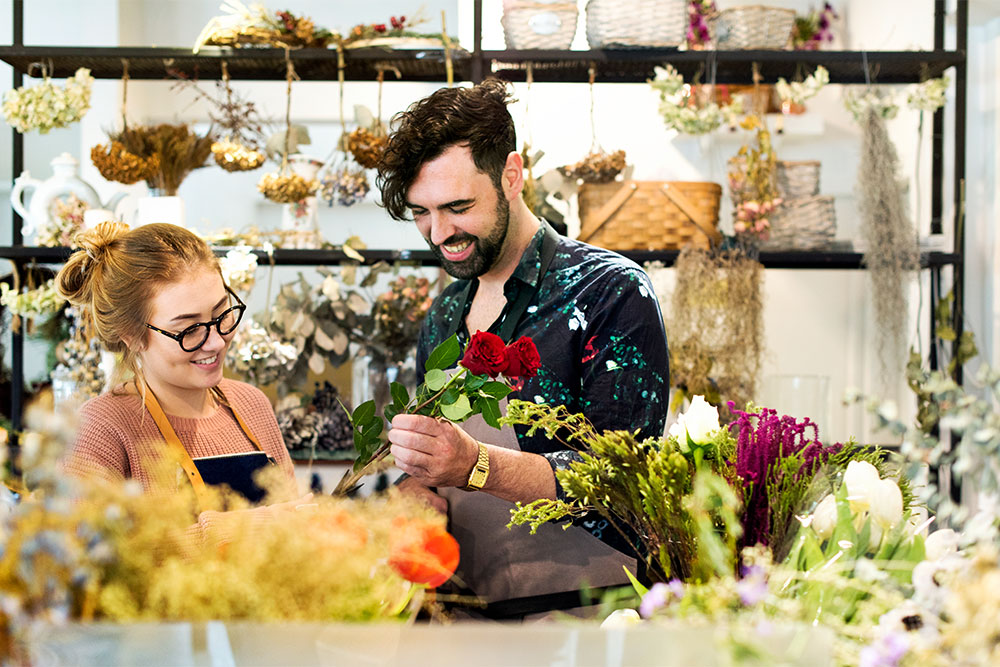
<point>480,471</point>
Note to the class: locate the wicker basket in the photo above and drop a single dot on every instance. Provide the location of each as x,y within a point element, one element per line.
<point>538,24</point>
<point>752,27</point>
<point>802,224</point>
<point>636,23</point>
<point>649,215</point>
<point>797,180</point>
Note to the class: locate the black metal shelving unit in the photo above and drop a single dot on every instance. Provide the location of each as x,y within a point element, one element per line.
<point>609,66</point>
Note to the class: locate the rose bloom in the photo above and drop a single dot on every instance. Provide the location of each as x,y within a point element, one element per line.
<point>522,358</point>
<point>486,355</point>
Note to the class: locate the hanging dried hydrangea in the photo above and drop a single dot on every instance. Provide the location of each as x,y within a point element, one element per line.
<point>234,156</point>
<point>116,163</point>
<point>345,186</point>
<point>929,95</point>
<point>880,101</point>
<point>32,303</point>
<point>797,92</point>
<point>286,188</point>
<point>597,167</point>
<point>366,146</point>
<point>47,106</point>
<point>681,108</point>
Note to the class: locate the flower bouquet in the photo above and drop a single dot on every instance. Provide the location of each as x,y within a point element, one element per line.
<point>46,106</point>
<point>448,392</point>
<point>684,107</point>
<point>752,182</point>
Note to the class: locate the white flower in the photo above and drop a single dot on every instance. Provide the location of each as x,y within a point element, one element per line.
<point>239,267</point>
<point>919,521</point>
<point>824,517</point>
<point>886,503</point>
<point>699,424</point>
<point>941,543</point>
<point>798,92</point>
<point>861,478</point>
<point>621,618</point>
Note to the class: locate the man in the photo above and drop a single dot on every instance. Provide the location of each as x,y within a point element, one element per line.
<point>453,165</point>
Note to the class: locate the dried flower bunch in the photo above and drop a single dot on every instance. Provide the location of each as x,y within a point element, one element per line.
<point>256,26</point>
<point>812,31</point>
<point>239,268</point>
<point>79,362</point>
<point>752,181</point>
<point>170,153</point>
<point>32,304</point>
<point>259,356</point>
<point>232,155</point>
<point>797,92</point>
<point>698,35</point>
<point>286,187</point>
<point>346,185</point>
<point>398,314</point>
<point>319,427</point>
<point>397,27</point>
<point>367,145</point>
<point>687,109</point>
<point>117,163</point>
<point>65,222</point>
<point>597,167</point>
<point>47,106</point>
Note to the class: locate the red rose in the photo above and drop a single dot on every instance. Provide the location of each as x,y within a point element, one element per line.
<point>486,355</point>
<point>379,27</point>
<point>522,358</point>
<point>423,553</point>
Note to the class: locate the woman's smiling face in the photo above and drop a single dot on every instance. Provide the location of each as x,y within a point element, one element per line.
<point>174,307</point>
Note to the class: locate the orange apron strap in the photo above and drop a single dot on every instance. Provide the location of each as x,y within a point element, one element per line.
<point>177,449</point>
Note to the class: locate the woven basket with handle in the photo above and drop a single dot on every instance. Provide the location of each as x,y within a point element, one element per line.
<point>538,25</point>
<point>649,215</point>
<point>752,27</point>
<point>636,23</point>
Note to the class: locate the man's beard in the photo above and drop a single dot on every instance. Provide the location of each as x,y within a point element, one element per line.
<point>485,250</point>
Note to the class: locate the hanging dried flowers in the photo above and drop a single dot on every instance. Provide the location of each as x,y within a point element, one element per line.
<point>31,304</point>
<point>596,167</point>
<point>47,106</point>
<point>892,255</point>
<point>256,26</point>
<point>797,92</point>
<point>234,156</point>
<point>286,188</point>
<point>367,145</point>
<point>881,102</point>
<point>116,163</point>
<point>752,183</point>
<point>345,186</point>
<point>79,363</point>
<point>929,95</point>
<point>686,109</point>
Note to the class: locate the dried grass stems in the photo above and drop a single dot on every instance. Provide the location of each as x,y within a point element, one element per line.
<point>893,254</point>
<point>715,325</point>
<point>177,149</point>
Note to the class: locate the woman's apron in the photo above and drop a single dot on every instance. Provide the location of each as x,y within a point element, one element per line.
<point>500,563</point>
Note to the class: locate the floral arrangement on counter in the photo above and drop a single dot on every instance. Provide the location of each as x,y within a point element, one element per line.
<point>752,182</point>
<point>47,106</point>
<point>162,155</point>
<point>812,31</point>
<point>84,551</point>
<point>684,108</point>
<point>256,26</point>
<point>470,388</point>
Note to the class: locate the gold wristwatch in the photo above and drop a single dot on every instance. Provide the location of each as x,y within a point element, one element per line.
<point>480,471</point>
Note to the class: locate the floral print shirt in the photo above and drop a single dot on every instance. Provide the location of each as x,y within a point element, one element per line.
<point>597,325</point>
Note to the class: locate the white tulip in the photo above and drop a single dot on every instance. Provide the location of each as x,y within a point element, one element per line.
<point>874,536</point>
<point>824,517</point>
<point>701,421</point>
<point>941,543</point>
<point>678,431</point>
<point>621,618</point>
<point>886,503</point>
<point>861,478</point>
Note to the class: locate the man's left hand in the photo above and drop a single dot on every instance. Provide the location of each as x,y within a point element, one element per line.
<point>435,453</point>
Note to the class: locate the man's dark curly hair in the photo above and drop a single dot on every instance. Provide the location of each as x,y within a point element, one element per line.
<point>474,116</point>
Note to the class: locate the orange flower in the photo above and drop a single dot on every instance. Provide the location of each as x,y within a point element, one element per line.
<point>424,553</point>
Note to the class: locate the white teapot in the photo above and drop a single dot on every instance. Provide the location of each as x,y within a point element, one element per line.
<point>65,181</point>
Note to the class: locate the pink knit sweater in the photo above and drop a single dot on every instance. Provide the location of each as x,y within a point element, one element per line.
<point>118,438</point>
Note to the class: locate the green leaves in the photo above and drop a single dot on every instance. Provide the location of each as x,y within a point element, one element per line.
<point>457,411</point>
<point>436,379</point>
<point>367,432</point>
<point>445,355</point>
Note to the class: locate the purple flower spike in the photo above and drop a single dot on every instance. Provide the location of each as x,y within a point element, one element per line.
<point>655,598</point>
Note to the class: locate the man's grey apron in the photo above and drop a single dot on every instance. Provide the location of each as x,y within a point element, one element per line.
<point>500,563</point>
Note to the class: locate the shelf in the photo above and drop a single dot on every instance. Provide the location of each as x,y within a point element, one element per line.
<point>612,65</point>
<point>254,64</point>
<point>295,257</point>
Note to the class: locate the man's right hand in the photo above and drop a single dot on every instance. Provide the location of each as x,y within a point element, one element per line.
<point>415,489</point>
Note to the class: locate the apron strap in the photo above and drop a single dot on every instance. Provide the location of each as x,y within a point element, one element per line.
<point>514,314</point>
<point>177,449</point>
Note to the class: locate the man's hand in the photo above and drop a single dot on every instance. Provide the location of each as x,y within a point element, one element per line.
<point>415,489</point>
<point>433,452</point>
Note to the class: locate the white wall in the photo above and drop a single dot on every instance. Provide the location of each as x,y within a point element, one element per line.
<point>817,322</point>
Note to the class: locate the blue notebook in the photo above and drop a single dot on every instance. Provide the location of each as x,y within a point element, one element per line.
<point>235,471</point>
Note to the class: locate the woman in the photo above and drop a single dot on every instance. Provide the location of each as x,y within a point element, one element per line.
<point>155,296</point>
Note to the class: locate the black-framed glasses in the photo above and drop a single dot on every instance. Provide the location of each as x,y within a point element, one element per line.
<point>192,338</point>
